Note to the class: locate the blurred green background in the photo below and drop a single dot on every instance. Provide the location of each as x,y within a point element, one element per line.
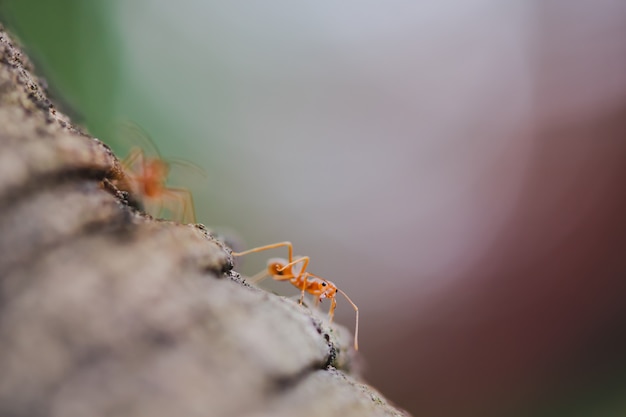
<point>77,51</point>
<point>456,167</point>
<point>81,50</point>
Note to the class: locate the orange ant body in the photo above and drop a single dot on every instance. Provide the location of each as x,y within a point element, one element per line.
<point>288,270</point>
<point>148,175</point>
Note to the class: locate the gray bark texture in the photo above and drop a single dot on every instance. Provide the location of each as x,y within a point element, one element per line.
<point>105,311</point>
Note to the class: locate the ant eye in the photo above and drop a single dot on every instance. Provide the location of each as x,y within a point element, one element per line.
<point>323,284</point>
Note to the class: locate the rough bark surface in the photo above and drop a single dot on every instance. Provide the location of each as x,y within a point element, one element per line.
<point>106,311</point>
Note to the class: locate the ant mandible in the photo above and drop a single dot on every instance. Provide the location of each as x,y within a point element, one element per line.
<point>295,272</point>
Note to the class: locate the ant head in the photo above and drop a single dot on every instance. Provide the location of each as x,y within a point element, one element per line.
<point>324,289</point>
<point>330,290</point>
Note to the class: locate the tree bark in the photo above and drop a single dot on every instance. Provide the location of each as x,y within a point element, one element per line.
<point>107,311</point>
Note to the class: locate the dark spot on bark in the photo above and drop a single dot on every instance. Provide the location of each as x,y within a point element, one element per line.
<point>160,338</point>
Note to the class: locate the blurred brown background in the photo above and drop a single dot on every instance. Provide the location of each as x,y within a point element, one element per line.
<point>457,168</point>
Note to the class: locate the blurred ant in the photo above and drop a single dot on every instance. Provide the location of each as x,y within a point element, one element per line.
<point>294,271</point>
<point>148,176</point>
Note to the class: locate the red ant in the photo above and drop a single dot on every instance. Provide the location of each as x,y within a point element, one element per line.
<point>286,270</point>
<point>148,177</point>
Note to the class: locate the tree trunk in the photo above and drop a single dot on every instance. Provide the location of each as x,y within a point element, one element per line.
<point>106,311</point>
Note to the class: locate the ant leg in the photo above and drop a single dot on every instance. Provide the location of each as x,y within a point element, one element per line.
<point>304,282</point>
<point>172,202</point>
<point>134,158</point>
<point>267,247</point>
<point>303,259</point>
<point>153,206</point>
<point>356,324</point>
<point>302,274</point>
<point>185,201</point>
<point>264,274</point>
<point>331,311</point>
<point>259,276</point>
<point>305,263</point>
<point>134,154</point>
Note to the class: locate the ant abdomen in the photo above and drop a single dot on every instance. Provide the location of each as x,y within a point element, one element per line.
<point>275,266</point>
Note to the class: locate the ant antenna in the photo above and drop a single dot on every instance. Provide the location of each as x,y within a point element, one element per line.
<point>356,326</point>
